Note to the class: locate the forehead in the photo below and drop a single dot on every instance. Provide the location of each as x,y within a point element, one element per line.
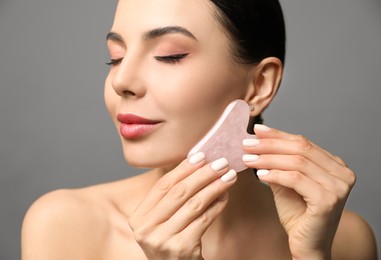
<point>136,16</point>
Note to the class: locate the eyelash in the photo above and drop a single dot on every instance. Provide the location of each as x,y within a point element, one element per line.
<point>166,59</point>
<point>171,58</point>
<point>113,62</point>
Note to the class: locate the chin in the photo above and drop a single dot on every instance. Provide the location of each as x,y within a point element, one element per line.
<point>148,162</point>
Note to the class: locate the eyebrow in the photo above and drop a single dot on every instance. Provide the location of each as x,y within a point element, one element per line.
<point>155,33</point>
<point>158,32</point>
<point>113,36</point>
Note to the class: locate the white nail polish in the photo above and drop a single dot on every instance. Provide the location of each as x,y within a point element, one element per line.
<point>250,157</point>
<point>262,172</point>
<point>219,164</point>
<point>229,176</point>
<point>196,158</point>
<point>261,127</point>
<point>250,142</point>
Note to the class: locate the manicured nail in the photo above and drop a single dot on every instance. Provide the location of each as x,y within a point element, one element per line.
<point>250,142</point>
<point>219,164</point>
<point>250,157</point>
<point>196,158</point>
<point>261,127</point>
<point>262,172</point>
<point>229,176</point>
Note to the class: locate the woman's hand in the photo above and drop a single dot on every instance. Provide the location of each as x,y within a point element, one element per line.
<point>171,220</point>
<point>309,184</point>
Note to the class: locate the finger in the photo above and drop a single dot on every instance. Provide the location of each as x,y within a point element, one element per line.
<point>300,164</point>
<point>187,188</point>
<point>319,201</point>
<point>301,147</point>
<point>335,157</point>
<point>305,147</point>
<point>263,131</point>
<point>197,228</point>
<point>166,182</point>
<point>196,205</point>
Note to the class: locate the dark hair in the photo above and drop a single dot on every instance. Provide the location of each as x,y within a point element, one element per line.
<point>256,28</point>
<point>257,31</point>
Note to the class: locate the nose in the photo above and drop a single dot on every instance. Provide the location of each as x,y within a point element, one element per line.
<point>127,81</point>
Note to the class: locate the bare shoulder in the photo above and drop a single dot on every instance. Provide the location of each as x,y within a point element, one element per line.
<point>75,224</point>
<point>58,225</point>
<point>354,239</point>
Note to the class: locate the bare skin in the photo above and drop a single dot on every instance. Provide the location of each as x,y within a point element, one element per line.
<point>182,77</point>
<point>95,222</point>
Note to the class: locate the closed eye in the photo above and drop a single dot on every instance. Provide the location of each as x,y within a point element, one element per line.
<point>113,62</point>
<point>171,58</point>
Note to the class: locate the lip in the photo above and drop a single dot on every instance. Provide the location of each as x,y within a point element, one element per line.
<point>133,126</point>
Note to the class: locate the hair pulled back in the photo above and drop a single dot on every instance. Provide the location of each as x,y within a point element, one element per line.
<point>256,28</point>
<point>257,31</point>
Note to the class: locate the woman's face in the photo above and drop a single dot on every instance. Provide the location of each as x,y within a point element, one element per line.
<point>172,65</point>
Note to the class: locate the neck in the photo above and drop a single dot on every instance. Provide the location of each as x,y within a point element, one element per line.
<point>249,217</point>
<point>250,210</point>
<point>249,199</point>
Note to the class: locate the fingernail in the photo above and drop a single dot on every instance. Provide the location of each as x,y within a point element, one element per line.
<point>262,172</point>
<point>261,127</point>
<point>229,176</point>
<point>196,158</point>
<point>250,157</point>
<point>250,142</point>
<point>219,164</point>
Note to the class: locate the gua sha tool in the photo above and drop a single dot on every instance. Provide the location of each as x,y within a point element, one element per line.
<point>224,139</point>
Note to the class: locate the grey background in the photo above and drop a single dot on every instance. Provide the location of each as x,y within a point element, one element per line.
<point>55,132</point>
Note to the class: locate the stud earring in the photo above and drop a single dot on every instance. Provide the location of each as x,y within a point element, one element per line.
<point>251,107</point>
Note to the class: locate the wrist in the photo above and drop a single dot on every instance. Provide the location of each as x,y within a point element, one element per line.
<point>313,256</point>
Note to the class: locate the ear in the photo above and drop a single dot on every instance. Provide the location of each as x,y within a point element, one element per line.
<point>264,83</point>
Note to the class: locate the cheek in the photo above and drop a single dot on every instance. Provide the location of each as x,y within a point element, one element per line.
<point>198,88</point>
<point>192,101</point>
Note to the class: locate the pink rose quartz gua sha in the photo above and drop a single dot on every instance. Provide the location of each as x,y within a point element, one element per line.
<point>224,139</point>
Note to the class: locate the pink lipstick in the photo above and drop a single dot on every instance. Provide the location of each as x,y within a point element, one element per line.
<point>134,126</point>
